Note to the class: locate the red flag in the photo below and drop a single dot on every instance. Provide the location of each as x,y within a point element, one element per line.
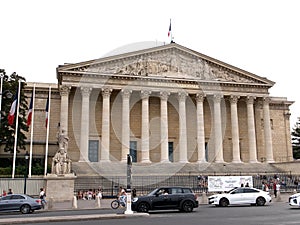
<point>169,33</point>
<point>47,111</point>
<point>12,111</point>
<point>30,111</point>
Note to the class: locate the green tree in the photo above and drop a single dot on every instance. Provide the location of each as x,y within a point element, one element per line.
<point>7,132</point>
<point>296,140</point>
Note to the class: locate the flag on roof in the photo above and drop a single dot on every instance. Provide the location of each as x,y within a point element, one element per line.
<point>169,32</point>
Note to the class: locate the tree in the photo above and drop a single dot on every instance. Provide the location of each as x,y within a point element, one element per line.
<point>296,140</point>
<point>7,132</point>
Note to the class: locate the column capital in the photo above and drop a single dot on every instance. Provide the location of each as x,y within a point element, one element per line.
<point>64,90</point>
<point>200,97</point>
<point>266,100</point>
<point>126,93</point>
<point>164,95</point>
<point>217,98</point>
<point>145,94</point>
<point>182,95</point>
<point>86,91</point>
<point>106,91</point>
<point>234,99</point>
<point>250,99</point>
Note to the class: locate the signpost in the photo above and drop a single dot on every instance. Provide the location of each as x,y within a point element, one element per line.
<point>128,203</point>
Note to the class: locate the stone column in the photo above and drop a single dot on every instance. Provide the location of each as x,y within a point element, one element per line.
<point>145,126</point>
<point>182,128</point>
<point>164,126</point>
<point>64,107</point>
<point>104,156</point>
<point>267,130</point>
<point>85,120</point>
<point>218,129</point>
<point>236,155</point>
<point>251,130</point>
<point>200,128</point>
<point>125,124</point>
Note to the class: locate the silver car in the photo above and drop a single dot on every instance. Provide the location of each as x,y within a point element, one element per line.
<point>19,202</point>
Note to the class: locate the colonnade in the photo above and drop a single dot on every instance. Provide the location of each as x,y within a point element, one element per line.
<point>183,152</point>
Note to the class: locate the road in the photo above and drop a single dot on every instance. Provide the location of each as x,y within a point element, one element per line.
<point>275,214</point>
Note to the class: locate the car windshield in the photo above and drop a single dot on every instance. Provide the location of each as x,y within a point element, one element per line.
<point>230,190</point>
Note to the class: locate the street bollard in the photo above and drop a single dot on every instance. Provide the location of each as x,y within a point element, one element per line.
<point>204,198</point>
<point>74,203</point>
<point>50,203</point>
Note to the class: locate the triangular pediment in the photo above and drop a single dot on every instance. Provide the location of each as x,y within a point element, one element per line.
<point>169,61</point>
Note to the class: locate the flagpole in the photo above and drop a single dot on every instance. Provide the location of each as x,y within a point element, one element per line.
<point>47,137</point>
<point>16,132</point>
<point>31,131</point>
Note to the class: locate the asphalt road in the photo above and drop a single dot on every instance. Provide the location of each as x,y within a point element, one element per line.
<point>275,214</point>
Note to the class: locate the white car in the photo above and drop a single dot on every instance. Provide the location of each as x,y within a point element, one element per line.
<point>241,196</point>
<point>294,200</point>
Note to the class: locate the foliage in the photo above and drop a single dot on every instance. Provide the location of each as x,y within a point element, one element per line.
<point>296,140</point>
<point>7,132</point>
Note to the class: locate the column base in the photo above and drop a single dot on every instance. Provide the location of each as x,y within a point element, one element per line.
<point>219,161</point>
<point>146,161</point>
<point>104,160</point>
<point>183,161</point>
<point>202,161</point>
<point>165,161</point>
<point>270,161</point>
<point>253,161</point>
<point>236,161</point>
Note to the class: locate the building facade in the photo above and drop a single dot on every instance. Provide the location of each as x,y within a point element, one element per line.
<point>170,104</point>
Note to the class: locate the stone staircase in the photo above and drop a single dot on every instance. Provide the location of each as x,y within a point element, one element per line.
<point>166,169</point>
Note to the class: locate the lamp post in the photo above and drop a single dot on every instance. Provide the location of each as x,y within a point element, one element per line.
<point>26,171</point>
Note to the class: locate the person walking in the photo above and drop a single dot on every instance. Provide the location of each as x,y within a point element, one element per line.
<point>42,197</point>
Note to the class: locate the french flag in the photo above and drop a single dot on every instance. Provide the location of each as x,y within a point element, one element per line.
<point>12,111</point>
<point>47,112</point>
<point>29,117</point>
<point>169,32</point>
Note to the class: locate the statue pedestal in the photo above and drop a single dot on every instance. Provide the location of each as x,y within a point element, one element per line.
<point>60,188</point>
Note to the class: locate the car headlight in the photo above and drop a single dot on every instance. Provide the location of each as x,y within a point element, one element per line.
<point>135,199</point>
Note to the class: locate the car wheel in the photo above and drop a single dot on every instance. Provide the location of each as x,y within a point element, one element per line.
<point>25,209</point>
<point>187,206</point>
<point>224,202</point>
<point>143,207</point>
<point>260,201</point>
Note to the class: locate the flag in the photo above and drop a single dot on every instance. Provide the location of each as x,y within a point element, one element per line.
<point>12,111</point>
<point>47,112</point>
<point>30,111</point>
<point>169,33</point>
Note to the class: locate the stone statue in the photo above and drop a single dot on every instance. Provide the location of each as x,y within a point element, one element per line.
<point>61,163</point>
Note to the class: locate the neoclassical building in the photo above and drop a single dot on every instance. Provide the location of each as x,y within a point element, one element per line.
<point>165,104</point>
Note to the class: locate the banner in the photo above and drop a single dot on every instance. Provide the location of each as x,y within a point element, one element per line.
<point>226,183</point>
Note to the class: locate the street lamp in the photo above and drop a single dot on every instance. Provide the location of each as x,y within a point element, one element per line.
<point>26,171</point>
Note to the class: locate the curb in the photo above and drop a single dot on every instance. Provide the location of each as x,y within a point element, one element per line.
<point>8,221</point>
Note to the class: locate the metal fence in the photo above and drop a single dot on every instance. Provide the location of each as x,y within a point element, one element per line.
<point>144,184</point>
<point>17,185</point>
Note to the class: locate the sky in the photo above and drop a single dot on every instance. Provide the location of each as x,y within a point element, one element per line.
<point>259,36</point>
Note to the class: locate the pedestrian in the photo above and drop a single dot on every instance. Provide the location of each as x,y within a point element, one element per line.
<point>4,193</point>
<point>42,197</point>
<point>9,191</point>
<point>274,188</point>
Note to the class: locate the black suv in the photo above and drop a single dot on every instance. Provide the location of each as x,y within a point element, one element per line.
<point>181,198</point>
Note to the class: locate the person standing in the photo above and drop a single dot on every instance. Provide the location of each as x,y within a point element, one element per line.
<point>9,191</point>
<point>275,188</point>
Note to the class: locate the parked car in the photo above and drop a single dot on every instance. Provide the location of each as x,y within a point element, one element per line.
<point>294,200</point>
<point>181,198</point>
<point>19,202</point>
<point>241,196</point>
